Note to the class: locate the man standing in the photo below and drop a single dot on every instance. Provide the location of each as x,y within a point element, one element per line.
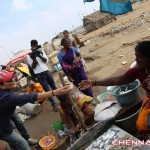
<point>67,35</point>
<point>38,60</point>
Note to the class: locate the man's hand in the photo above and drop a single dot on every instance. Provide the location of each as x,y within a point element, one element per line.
<point>41,57</point>
<point>35,61</point>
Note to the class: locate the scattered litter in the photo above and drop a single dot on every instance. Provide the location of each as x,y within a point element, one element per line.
<point>98,57</point>
<point>124,62</point>
<point>88,57</point>
<point>124,27</point>
<point>128,44</point>
<point>120,56</point>
<point>91,50</point>
<point>86,42</point>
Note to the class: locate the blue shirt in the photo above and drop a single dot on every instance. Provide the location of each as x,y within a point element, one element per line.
<point>61,54</point>
<point>8,103</point>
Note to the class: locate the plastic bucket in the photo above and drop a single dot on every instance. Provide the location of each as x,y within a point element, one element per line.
<point>57,125</point>
<point>127,121</point>
<point>128,97</point>
<point>47,142</point>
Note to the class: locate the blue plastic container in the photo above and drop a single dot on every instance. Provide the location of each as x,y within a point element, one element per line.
<point>57,67</point>
<point>130,96</point>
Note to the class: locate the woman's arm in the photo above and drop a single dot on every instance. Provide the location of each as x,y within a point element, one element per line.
<point>58,91</point>
<point>79,57</point>
<point>68,75</point>
<point>118,80</point>
<point>76,51</point>
<point>21,99</point>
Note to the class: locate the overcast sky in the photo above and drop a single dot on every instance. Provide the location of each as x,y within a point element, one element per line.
<point>23,20</point>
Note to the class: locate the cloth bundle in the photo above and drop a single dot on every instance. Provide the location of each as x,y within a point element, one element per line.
<point>30,109</point>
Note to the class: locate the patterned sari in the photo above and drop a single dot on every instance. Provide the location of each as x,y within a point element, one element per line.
<point>142,122</point>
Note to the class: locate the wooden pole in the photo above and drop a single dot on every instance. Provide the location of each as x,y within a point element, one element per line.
<point>77,113</point>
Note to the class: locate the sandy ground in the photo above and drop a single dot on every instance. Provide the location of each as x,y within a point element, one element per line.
<point>106,51</point>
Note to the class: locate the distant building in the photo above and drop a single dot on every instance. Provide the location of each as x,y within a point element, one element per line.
<point>56,41</point>
<point>96,20</point>
<point>48,48</point>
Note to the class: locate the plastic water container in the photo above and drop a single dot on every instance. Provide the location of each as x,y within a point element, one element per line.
<point>131,94</point>
<point>57,67</point>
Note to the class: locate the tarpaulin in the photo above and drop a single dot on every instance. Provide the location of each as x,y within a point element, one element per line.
<point>115,7</point>
<point>24,70</point>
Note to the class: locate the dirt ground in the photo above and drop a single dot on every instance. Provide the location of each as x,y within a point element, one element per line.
<point>106,50</point>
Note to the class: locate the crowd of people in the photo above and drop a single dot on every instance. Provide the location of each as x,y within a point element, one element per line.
<point>45,88</point>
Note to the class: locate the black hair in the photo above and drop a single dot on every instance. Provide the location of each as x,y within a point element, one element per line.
<point>144,48</point>
<point>65,31</point>
<point>34,43</point>
<point>63,41</point>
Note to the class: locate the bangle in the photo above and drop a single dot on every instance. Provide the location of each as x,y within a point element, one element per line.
<point>53,93</point>
<point>92,83</point>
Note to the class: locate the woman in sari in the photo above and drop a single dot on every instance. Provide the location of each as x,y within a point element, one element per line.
<point>142,72</point>
<point>70,59</point>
